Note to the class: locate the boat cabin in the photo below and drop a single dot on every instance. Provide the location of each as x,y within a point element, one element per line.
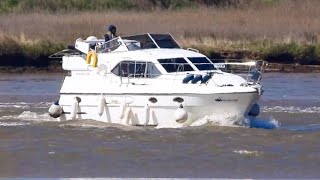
<point>144,56</point>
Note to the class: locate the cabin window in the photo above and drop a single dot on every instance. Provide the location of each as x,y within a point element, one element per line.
<point>136,69</point>
<point>202,63</point>
<point>175,65</point>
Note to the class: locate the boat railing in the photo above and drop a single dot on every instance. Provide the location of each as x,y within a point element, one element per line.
<point>109,46</point>
<point>251,70</point>
<point>71,51</point>
<point>135,71</point>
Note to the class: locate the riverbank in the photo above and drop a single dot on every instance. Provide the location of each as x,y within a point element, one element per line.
<point>284,32</point>
<point>25,57</point>
<point>18,52</point>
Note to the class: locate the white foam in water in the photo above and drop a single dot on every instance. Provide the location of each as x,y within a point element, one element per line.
<point>219,120</point>
<point>5,117</point>
<point>13,124</point>
<point>252,122</point>
<point>246,152</point>
<point>291,109</point>
<point>43,104</point>
<point>24,105</point>
<point>21,105</point>
<point>32,116</point>
<point>214,119</point>
<point>80,124</point>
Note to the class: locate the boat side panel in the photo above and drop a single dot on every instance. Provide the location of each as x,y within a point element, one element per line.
<point>162,112</point>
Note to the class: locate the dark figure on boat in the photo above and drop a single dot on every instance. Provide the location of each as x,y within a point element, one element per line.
<point>112,33</point>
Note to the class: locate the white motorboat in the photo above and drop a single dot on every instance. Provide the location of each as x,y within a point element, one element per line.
<point>148,80</point>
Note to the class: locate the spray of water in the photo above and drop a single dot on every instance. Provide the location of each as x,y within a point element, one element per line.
<point>233,121</point>
<point>213,120</point>
<point>256,122</point>
<point>217,120</point>
<point>13,124</point>
<point>291,109</point>
<point>33,116</point>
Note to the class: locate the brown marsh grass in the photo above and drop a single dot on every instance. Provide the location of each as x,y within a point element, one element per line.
<point>290,21</point>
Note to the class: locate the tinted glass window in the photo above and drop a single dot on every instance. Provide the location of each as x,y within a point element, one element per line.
<point>202,63</point>
<point>175,65</point>
<point>144,40</point>
<point>147,41</point>
<point>136,69</point>
<point>152,70</point>
<point>164,41</point>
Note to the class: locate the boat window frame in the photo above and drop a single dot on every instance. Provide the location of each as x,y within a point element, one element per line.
<point>146,69</point>
<point>152,41</point>
<point>111,45</point>
<point>160,38</point>
<point>198,65</point>
<point>177,69</point>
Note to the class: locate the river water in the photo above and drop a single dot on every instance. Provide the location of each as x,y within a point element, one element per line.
<point>284,141</point>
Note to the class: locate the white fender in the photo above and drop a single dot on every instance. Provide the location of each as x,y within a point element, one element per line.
<point>122,109</point>
<point>146,110</point>
<point>101,105</point>
<point>74,108</point>
<point>129,100</point>
<point>55,110</point>
<point>127,115</point>
<point>181,115</point>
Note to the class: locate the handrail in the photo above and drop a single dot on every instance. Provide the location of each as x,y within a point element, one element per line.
<point>251,70</point>
<point>65,52</point>
<point>254,72</point>
<point>192,49</point>
<point>110,45</point>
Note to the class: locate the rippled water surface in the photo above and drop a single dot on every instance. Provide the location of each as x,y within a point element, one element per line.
<point>284,143</point>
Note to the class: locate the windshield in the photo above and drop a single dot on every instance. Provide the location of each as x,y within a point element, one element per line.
<point>175,65</point>
<point>202,63</point>
<point>150,41</point>
<point>164,41</point>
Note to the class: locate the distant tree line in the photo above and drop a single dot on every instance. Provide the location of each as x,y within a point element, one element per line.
<point>7,6</point>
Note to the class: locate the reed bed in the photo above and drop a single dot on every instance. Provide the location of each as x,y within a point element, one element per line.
<point>279,23</point>
<point>294,27</point>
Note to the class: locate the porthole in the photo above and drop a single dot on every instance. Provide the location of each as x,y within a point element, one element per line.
<point>178,99</point>
<point>153,100</point>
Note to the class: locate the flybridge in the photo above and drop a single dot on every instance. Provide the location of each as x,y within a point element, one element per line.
<point>127,43</point>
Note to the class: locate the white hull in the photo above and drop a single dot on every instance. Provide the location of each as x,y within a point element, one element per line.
<point>227,106</point>
<point>148,80</point>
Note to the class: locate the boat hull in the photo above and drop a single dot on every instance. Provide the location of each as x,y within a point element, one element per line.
<point>156,109</point>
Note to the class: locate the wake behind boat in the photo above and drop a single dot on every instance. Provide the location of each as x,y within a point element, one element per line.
<point>148,80</point>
